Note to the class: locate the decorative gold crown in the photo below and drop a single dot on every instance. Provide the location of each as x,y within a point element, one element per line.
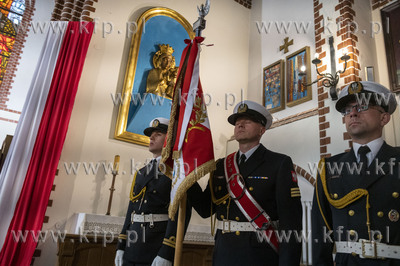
<point>166,49</point>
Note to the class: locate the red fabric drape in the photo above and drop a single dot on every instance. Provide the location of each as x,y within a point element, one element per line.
<point>32,203</point>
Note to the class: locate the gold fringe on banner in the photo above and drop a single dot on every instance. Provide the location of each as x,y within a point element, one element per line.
<point>190,179</point>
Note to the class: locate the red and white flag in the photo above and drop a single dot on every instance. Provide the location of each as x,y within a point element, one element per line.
<point>28,173</point>
<point>188,151</point>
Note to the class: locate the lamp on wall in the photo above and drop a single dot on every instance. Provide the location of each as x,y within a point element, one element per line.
<point>328,80</point>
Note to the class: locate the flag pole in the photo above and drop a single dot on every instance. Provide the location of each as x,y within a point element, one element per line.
<point>198,26</point>
<point>180,232</point>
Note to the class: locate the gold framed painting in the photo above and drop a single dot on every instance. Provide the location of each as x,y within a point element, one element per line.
<point>273,86</point>
<point>296,90</point>
<point>151,71</point>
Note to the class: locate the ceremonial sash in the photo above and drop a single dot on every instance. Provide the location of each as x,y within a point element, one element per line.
<point>247,204</point>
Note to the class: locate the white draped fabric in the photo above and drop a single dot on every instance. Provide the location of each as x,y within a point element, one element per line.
<point>15,167</point>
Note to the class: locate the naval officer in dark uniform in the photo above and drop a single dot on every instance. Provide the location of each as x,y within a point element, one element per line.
<point>267,202</point>
<point>356,209</point>
<point>148,236</point>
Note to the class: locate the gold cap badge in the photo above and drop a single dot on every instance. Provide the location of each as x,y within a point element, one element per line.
<point>155,123</point>
<point>242,108</point>
<point>355,87</point>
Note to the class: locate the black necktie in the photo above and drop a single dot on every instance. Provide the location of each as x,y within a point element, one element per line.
<point>152,166</point>
<point>362,151</point>
<point>242,159</point>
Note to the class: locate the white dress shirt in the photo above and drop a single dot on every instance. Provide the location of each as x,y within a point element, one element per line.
<point>374,146</point>
<point>249,152</point>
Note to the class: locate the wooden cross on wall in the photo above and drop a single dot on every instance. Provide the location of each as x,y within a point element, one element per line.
<point>286,45</point>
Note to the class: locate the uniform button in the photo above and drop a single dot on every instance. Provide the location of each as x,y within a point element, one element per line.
<point>380,214</point>
<point>145,201</point>
<point>154,191</point>
<point>352,232</point>
<point>237,233</point>
<point>393,215</point>
<point>251,188</point>
<point>137,200</point>
<point>351,212</point>
<point>219,188</point>
<point>237,218</point>
<point>142,213</point>
<point>224,202</point>
<point>222,217</point>
<point>335,196</point>
<point>354,254</point>
<point>141,225</point>
<point>395,195</point>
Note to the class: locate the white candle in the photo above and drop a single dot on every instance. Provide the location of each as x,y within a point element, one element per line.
<point>116,163</point>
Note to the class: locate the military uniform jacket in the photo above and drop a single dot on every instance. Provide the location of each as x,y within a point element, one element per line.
<point>271,180</point>
<point>348,221</point>
<point>142,242</point>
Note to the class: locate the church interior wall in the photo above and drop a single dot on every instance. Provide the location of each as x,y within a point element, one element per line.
<point>255,82</point>
<point>336,127</point>
<point>231,69</point>
<point>289,138</point>
<point>285,13</point>
<point>223,72</point>
<point>88,138</point>
<point>373,52</point>
<point>301,144</point>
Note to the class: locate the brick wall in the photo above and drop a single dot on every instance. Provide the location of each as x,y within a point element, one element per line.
<point>245,3</point>
<point>304,174</point>
<point>348,40</point>
<point>73,10</point>
<point>379,3</point>
<point>344,15</point>
<point>321,93</point>
<point>13,62</point>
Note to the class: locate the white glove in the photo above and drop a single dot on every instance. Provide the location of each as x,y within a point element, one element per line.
<point>118,257</point>
<point>158,261</point>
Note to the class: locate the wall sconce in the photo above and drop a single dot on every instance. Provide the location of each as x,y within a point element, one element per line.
<point>328,80</point>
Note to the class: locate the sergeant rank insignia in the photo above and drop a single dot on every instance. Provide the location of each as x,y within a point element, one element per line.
<point>295,192</point>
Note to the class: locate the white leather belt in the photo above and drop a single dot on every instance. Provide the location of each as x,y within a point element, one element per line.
<point>148,218</point>
<point>368,249</point>
<point>231,226</point>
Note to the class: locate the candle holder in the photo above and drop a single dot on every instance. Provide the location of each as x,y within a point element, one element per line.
<point>112,189</point>
<point>329,80</point>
